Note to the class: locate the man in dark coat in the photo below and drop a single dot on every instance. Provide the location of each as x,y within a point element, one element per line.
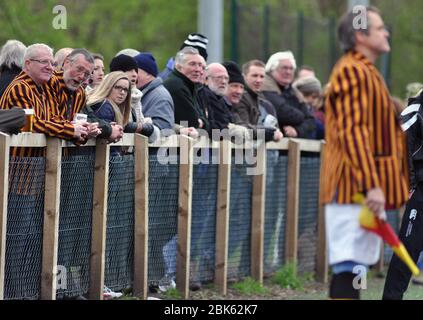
<point>183,84</point>
<point>293,114</point>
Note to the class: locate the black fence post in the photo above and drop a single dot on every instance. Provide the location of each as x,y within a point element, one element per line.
<point>300,43</point>
<point>266,32</point>
<point>332,43</point>
<point>234,31</point>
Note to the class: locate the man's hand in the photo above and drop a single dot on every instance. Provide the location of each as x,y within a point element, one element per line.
<point>117,132</point>
<point>80,130</point>
<point>375,200</point>
<point>278,135</point>
<point>93,130</point>
<point>139,127</point>
<point>290,132</point>
<point>200,123</point>
<point>191,132</point>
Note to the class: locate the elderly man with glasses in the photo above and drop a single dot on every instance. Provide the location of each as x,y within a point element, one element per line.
<point>69,90</point>
<point>292,111</point>
<point>32,89</point>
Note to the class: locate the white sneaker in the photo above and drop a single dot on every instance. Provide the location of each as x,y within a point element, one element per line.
<point>166,283</point>
<point>109,294</point>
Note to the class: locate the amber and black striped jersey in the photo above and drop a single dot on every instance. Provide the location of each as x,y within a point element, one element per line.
<point>364,142</point>
<point>68,102</point>
<point>24,93</point>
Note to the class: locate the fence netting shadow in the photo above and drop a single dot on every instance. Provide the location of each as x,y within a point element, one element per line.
<point>75,222</point>
<point>162,215</point>
<point>275,210</point>
<point>308,212</point>
<point>119,268</point>
<point>239,247</point>
<point>24,229</point>
<point>203,221</point>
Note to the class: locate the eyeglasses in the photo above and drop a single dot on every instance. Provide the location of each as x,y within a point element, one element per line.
<point>45,62</point>
<point>220,78</point>
<point>119,88</point>
<point>82,70</point>
<point>286,68</point>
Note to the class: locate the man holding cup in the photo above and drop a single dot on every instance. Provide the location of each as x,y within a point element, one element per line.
<point>30,90</point>
<point>69,92</point>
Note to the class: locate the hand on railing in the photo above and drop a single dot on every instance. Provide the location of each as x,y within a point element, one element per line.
<point>117,132</point>
<point>80,130</point>
<point>190,132</point>
<point>93,130</point>
<point>290,132</point>
<point>278,135</point>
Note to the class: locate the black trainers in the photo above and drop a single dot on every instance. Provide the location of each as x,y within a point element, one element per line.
<point>195,286</point>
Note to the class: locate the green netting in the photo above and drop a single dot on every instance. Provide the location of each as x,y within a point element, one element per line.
<point>310,39</point>
<point>120,223</point>
<point>308,211</point>
<point>275,210</point>
<point>162,216</point>
<point>75,222</point>
<point>239,248</point>
<point>249,50</point>
<point>24,230</point>
<point>203,222</point>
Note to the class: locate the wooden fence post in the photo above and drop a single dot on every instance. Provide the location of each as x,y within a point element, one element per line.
<point>184,216</point>
<point>222,216</point>
<point>291,239</point>
<point>4,192</point>
<point>51,218</point>
<point>141,217</point>
<point>99,221</point>
<point>322,267</point>
<point>257,218</point>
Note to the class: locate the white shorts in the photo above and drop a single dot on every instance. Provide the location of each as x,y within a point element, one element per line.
<point>347,241</point>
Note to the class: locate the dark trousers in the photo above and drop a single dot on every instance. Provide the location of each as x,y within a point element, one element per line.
<point>411,235</point>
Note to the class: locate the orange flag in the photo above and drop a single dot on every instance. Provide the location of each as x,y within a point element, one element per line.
<point>370,222</point>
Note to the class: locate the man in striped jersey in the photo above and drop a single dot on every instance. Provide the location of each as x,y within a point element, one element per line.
<point>30,90</point>
<point>364,151</point>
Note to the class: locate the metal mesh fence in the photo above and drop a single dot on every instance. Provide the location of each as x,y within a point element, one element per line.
<point>250,27</point>
<point>203,223</point>
<point>162,215</point>
<point>24,230</point>
<point>75,222</point>
<point>264,30</point>
<point>275,210</point>
<point>120,223</point>
<point>308,211</point>
<point>239,248</point>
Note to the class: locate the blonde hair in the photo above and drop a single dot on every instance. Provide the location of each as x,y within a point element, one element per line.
<point>103,91</point>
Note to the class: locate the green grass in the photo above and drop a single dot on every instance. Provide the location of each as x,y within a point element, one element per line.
<point>249,287</point>
<point>173,294</point>
<point>287,277</point>
<point>373,291</point>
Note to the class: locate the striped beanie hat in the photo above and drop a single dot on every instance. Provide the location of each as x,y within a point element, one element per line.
<point>197,41</point>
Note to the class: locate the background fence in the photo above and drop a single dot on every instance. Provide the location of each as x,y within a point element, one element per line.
<point>83,217</point>
<point>256,32</point>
